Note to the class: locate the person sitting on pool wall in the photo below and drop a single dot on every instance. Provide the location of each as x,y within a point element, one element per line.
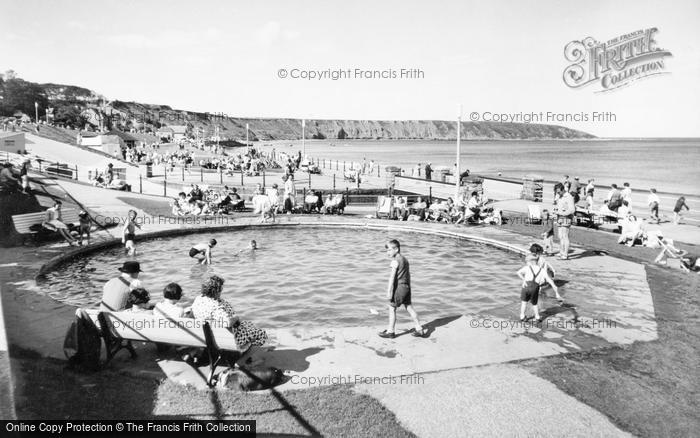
<point>399,291</point>
<point>202,252</point>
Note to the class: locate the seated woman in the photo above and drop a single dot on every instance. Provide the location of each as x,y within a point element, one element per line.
<point>209,306</point>
<point>180,206</point>
<point>436,211</point>
<point>236,200</point>
<point>474,208</point>
<point>311,202</point>
<point>54,222</point>
<point>418,209</point>
<point>138,300</point>
<point>400,208</point>
<point>632,230</point>
<point>328,204</point>
<point>454,214</point>
<point>169,307</point>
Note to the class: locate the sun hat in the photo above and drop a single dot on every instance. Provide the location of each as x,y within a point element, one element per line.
<point>130,267</point>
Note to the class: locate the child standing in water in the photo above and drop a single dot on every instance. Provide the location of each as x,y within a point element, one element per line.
<point>129,233</point>
<point>399,291</point>
<point>532,276</point>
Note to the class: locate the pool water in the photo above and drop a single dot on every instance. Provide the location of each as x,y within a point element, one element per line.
<point>309,276</point>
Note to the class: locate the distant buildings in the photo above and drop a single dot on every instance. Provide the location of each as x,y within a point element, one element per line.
<point>172,133</point>
<point>12,142</point>
<point>111,143</point>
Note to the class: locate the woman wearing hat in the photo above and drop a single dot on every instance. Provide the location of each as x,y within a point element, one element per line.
<point>209,306</point>
<point>115,293</point>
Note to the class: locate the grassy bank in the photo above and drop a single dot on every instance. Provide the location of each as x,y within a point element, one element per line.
<point>47,390</point>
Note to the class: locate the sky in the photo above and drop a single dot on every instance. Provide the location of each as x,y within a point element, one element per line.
<point>487,57</point>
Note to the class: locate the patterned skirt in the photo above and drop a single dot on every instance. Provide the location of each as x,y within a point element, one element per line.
<point>247,333</point>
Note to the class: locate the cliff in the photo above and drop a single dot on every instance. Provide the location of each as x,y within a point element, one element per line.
<point>80,107</point>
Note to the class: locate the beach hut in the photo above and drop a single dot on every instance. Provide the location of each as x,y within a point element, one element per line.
<point>532,188</point>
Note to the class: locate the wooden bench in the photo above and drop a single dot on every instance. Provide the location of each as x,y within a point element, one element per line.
<point>118,329</point>
<point>24,223</point>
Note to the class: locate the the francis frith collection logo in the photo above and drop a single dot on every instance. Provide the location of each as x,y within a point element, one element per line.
<point>616,62</point>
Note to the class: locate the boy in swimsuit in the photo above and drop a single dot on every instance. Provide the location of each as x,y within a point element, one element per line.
<point>399,291</point>
<point>202,252</point>
<point>129,233</point>
<point>84,227</point>
<point>532,276</point>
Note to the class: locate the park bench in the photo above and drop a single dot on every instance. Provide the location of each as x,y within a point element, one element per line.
<point>118,329</point>
<point>30,223</point>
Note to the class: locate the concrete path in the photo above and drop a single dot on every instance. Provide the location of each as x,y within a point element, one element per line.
<point>499,400</point>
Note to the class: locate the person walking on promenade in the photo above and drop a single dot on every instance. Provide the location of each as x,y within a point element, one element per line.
<point>428,171</point>
<point>590,187</point>
<point>567,183</point>
<point>677,210</point>
<point>654,203</point>
<point>626,193</point>
<point>399,291</point>
<point>565,209</point>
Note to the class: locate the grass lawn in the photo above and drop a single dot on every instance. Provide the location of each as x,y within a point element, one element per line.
<point>47,390</point>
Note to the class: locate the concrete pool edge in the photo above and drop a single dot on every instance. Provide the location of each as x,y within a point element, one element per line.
<point>488,235</point>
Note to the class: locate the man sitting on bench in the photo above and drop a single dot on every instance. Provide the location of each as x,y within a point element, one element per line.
<point>53,222</point>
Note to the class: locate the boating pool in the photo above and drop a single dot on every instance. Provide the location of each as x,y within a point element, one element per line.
<point>309,275</point>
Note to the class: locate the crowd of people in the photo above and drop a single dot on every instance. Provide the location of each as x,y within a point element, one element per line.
<point>471,207</point>
<point>127,293</point>
<point>618,207</point>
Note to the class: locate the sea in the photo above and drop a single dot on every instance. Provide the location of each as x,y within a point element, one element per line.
<point>670,165</point>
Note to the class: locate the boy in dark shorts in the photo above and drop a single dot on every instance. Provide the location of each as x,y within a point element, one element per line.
<point>202,252</point>
<point>532,276</point>
<point>399,291</point>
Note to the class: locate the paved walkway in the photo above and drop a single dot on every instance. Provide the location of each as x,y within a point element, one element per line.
<point>499,400</point>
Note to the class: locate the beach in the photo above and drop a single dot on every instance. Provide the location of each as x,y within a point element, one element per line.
<point>647,163</point>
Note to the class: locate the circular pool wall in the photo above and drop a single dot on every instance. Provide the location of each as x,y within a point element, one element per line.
<point>309,276</point>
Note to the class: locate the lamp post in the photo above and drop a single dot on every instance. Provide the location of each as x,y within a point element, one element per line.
<point>459,147</point>
<point>36,112</point>
<point>303,136</point>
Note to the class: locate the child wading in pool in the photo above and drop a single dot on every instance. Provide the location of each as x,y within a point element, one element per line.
<point>399,291</point>
<point>129,233</point>
<point>202,252</point>
<point>532,275</point>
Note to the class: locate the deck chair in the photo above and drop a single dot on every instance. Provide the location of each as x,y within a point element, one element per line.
<point>384,206</point>
<point>534,214</point>
<point>668,250</point>
<point>338,206</point>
